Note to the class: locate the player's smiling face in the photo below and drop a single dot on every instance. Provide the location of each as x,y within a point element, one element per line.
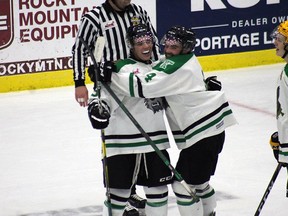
<point>172,48</point>
<point>142,48</point>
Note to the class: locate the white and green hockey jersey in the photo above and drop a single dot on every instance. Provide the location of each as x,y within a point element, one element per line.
<point>196,112</point>
<point>282,114</point>
<point>121,135</point>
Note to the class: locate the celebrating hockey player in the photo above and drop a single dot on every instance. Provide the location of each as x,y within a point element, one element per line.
<point>279,139</point>
<point>130,158</point>
<point>198,117</point>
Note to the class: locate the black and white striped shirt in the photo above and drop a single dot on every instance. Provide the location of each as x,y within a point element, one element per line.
<point>105,21</point>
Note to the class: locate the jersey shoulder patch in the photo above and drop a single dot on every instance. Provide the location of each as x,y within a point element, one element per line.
<point>172,64</point>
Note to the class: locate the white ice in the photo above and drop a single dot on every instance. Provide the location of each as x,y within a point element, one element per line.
<point>50,157</point>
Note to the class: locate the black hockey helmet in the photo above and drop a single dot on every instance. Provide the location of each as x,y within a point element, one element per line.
<point>138,31</point>
<point>186,36</point>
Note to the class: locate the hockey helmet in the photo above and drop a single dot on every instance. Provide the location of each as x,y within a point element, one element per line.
<point>281,29</point>
<point>185,36</point>
<point>139,32</point>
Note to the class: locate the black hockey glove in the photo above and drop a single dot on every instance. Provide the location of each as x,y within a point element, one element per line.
<point>213,84</point>
<point>98,114</point>
<point>91,73</point>
<point>274,142</point>
<point>105,72</point>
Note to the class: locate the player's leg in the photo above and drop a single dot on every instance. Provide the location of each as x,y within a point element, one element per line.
<point>186,205</point>
<point>154,175</point>
<point>157,200</point>
<point>205,191</point>
<point>207,195</point>
<point>119,198</point>
<point>203,161</point>
<point>120,174</point>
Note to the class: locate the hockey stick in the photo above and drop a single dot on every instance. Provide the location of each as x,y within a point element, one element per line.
<point>137,125</point>
<point>287,184</point>
<point>268,189</point>
<point>98,52</point>
<point>105,171</point>
<point>97,55</point>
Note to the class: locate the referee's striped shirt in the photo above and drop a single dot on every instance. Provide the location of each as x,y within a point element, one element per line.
<point>104,21</point>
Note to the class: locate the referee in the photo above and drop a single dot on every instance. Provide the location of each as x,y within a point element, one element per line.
<point>111,20</point>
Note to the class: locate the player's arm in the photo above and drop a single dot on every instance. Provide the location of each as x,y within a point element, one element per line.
<point>165,79</point>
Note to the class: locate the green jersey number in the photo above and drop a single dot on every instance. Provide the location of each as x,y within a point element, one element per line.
<point>149,77</point>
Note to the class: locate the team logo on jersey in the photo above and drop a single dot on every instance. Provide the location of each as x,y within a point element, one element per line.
<point>166,63</point>
<point>135,20</point>
<point>155,104</point>
<point>6,23</point>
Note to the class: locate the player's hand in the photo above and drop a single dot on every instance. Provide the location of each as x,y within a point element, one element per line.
<point>213,84</point>
<point>105,72</point>
<point>91,73</point>
<point>99,114</point>
<point>81,95</point>
<point>274,142</point>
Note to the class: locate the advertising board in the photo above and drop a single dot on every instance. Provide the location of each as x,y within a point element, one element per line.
<point>36,36</point>
<point>224,26</point>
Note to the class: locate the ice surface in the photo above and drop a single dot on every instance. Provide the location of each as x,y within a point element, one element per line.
<point>50,157</point>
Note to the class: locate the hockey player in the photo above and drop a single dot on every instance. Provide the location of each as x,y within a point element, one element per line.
<point>198,117</point>
<point>130,157</point>
<point>279,139</point>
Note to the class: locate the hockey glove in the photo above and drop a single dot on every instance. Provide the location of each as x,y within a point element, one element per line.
<point>213,84</point>
<point>91,73</point>
<point>105,72</point>
<point>99,114</point>
<point>274,142</point>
